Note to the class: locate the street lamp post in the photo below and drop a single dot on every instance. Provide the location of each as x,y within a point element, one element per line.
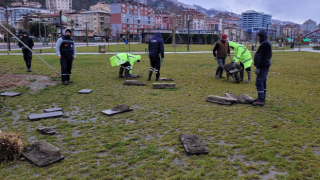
<point>87,33</point>
<point>8,36</point>
<point>188,31</point>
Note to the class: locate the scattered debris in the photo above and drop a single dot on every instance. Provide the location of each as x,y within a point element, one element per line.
<point>229,99</point>
<point>193,145</point>
<point>276,125</point>
<point>10,94</point>
<point>85,91</point>
<point>35,117</point>
<point>10,147</point>
<point>164,85</point>
<point>121,107</point>
<point>52,110</point>
<point>42,153</point>
<point>47,131</point>
<point>134,82</point>
<point>117,110</point>
<point>166,79</point>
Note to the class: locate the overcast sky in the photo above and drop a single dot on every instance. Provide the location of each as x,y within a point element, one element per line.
<point>296,11</point>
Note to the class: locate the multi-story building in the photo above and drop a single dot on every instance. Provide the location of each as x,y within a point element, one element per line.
<point>290,30</point>
<point>253,21</point>
<point>197,22</point>
<point>100,6</point>
<point>163,20</point>
<point>212,25</point>
<point>222,16</point>
<point>96,21</point>
<point>234,32</point>
<point>59,5</point>
<point>234,20</point>
<point>27,4</point>
<point>309,26</point>
<point>16,13</point>
<point>130,16</point>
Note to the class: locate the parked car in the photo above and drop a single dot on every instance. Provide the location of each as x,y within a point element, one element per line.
<point>32,37</point>
<point>97,38</point>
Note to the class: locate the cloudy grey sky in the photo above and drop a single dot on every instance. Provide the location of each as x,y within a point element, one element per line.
<point>296,11</point>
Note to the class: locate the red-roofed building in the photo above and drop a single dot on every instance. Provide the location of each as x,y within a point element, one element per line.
<point>197,22</point>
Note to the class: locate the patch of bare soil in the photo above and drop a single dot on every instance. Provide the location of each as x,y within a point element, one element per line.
<point>35,82</point>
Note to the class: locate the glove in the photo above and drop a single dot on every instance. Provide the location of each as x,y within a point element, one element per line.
<point>161,59</point>
<point>138,61</point>
<point>257,71</point>
<point>22,47</point>
<point>234,65</point>
<point>215,58</point>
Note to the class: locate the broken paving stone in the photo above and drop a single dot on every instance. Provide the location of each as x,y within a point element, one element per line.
<point>10,94</point>
<point>117,110</point>
<point>164,85</point>
<point>85,91</point>
<point>193,145</point>
<point>135,75</point>
<point>47,131</point>
<point>221,100</point>
<point>166,79</point>
<point>244,99</point>
<point>52,110</point>
<point>35,117</point>
<point>42,153</point>
<point>134,83</point>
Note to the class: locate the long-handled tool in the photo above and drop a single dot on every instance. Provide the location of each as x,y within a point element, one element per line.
<point>57,73</point>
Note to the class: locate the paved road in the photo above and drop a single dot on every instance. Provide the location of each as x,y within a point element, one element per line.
<point>40,46</point>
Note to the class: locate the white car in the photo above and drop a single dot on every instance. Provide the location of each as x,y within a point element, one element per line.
<point>97,38</point>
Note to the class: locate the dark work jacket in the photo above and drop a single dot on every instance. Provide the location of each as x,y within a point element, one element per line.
<point>156,46</point>
<point>67,46</point>
<point>264,53</point>
<point>27,41</point>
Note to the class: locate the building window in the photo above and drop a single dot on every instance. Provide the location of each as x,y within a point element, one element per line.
<point>135,7</point>
<point>123,10</point>
<point>123,5</point>
<point>146,9</point>
<point>130,6</point>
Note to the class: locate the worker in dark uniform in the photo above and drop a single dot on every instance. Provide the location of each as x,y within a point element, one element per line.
<point>27,54</point>
<point>66,51</point>
<point>223,50</point>
<point>262,62</point>
<point>156,55</point>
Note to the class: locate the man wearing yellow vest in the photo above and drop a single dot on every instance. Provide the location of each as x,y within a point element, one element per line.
<point>126,61</point>
<point>242,54</point>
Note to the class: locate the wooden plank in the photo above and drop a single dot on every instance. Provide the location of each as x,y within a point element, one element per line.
<point>109,112</point>
<point>134,83</point>
<point>164,85</point>
<point>52,110</point>
<point>10,94</point>
<point>193,145</point>
<point>35,117</point>
<point>85,91</point>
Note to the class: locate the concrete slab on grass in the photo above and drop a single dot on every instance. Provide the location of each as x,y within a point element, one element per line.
<point>35,117</point>
<point>42,153</point>
<point>109,112</point>
<point>134,83</point>
<point>10,94</point>
<point>166,79</point>
<point>52,110</point>
<point>85,91</point>
<point>47,131</point>
<point>193,145</point>
<point>163,85</point>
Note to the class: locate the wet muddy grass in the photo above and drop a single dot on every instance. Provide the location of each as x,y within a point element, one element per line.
<point>144,144</point>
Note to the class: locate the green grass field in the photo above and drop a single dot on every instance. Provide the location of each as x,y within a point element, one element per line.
<point>137,48</point>
<point>280,140</point>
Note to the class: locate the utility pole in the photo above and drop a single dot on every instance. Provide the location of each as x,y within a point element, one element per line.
<point>61,23</point>
<point>174,31</point>
<point>8,35</point>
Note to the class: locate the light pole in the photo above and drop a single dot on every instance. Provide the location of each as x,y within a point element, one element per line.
<point>8,36</point>
<point>61,23</point>
<point>188,31</point>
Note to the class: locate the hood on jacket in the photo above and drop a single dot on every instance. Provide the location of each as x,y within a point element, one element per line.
<point>263,35</point>
<point>233,44</point>
<point>158,34</point>
<point>24,32</point>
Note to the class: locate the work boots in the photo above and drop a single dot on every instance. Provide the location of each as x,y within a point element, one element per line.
<point>150,74</point>
<point>217,73</point>
<point>127,74</point>
<point>241,75</point>
<point>220,73</point>
<point>249,77</point>
<point>121,72</point>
